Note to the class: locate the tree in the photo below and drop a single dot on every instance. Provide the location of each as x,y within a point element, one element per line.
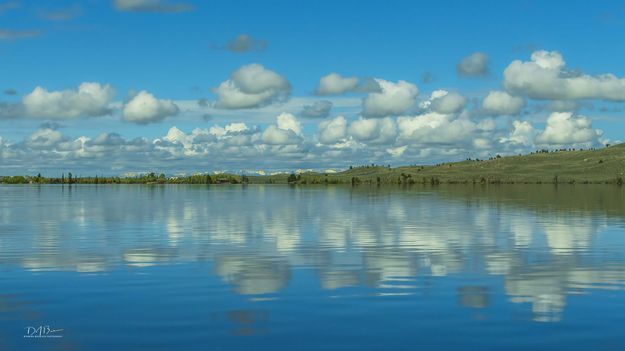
<point>69,177</point>
<point>292,178</point>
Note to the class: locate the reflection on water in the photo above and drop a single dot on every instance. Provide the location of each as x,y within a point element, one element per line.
<point>541,244</point>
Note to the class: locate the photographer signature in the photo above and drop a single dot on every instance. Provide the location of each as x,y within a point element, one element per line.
<point>42,331</point>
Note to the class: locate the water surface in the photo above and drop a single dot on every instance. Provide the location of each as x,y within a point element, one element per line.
<point>309,268</point>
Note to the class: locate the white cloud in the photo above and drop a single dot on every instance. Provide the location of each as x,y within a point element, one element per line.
<point>90,99</point>
<point>427,104</point>
<point>487,124</point>
<point>274,135</point>
<point>287,121</point>
<point>501,103</point>
<point>332,131</point>
<point>435,128</point>
<point>397,151</point>
<point>393,99</point>
<point>449,103</point>
<point>152,6</point>
<point>284,144</point>
<point>364,129</point>
<point>522,133</point>
<point>277,146</point>
<point>481,143</point>
<point>44,138</point>
<point>548,60</point>
<point>175,135</point>
<point>564,128</point>
<point>545,77</point>
<point>373,131</point>
<point>144,108</point>
<point>231,128</point>
<point>334,83</point>
<point>251,86</point>
<point>475,64</point>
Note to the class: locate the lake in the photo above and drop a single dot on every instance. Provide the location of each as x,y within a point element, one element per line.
<point>464,267</point>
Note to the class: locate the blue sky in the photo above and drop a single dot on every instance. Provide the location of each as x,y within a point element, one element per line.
<point>177,51</point>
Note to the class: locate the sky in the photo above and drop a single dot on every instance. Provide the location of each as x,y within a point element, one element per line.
<point>117,87</point>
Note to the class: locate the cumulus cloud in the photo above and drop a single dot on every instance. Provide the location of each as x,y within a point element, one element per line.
<point>564,128</point>
<point>334,83</point>
<point>435,94</point>
<point>332,131</point>
<point>274,135</point>
<point>397,151</point>
<point>545,77</point>
<point>487,124</point>
<point>435,128</point>
<point>90,99</point>
<point>475,64</point>
<point>251,86</point>
<point>287,121</point>
<point>522,133</point>
<point>230,129</point>
<point>283,145</point>
<point>449,103</point>
<point>286,131</point>
<point>163,6</point>
<point>144,108</point>
<point>393,99</point>
<point>373,131</point>
<point>502,103</point>
<point>44,138</point>
<point>245,43</point>
<point>238,141</point>
<point>319,109</point>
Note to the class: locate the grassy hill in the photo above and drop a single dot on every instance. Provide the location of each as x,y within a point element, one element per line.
<point>605,165</point>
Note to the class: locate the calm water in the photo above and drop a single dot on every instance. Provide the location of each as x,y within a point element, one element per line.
<point>336,268</point>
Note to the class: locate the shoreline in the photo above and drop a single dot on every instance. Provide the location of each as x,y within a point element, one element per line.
<point>563,166</point>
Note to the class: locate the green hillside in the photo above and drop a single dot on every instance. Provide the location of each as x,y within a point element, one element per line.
<point>606,165</point>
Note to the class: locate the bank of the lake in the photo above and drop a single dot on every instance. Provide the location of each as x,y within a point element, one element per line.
<point>593,166</point>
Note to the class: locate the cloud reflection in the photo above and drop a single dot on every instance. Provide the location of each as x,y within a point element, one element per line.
<point>388,240</point>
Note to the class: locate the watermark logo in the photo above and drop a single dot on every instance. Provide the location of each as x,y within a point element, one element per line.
<point>43,331</point>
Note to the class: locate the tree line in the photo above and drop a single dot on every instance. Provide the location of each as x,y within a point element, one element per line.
<point>149,178</point>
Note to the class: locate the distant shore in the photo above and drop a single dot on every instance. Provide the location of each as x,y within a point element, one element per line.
<point>562,166</point>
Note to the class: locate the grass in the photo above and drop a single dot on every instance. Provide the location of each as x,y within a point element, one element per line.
<point>606,165</point>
